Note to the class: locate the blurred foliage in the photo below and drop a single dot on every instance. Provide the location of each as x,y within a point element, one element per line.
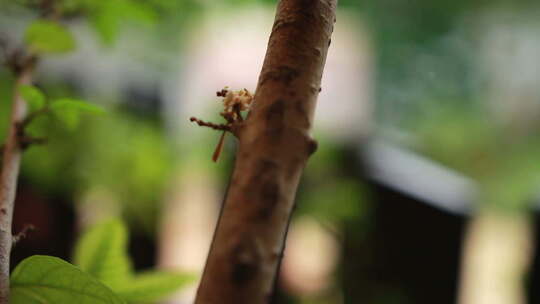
<point>426,53</point>
<point>103,267</point>
<point>48,280</point>
<point>6,88</point>
<point>43,36</point>
<point>102,252</point>
<point>430,86</point>
<point>505,164</point>
<point>126,155</point>
<point>152,286</point>
<point>33,97</point>
<point>66,110</point>
<point>134,163</point>
<point>107,16</point>
<point>69,110</point>
<point>424,58</point>
<point>329,192</point>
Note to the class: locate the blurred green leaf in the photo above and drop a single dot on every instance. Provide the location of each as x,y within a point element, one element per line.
<point>122,143</point>
<point>76,104</point>
<point>68,110</point>
<point>336,200</point>
<point>106,24</point>
<point>153,286</point>
<point>502,161</point>
<point>50,280</point>
<point>107,16</point>
<point>44,36</point>
<point>33,96</point>
<point>102,252</point>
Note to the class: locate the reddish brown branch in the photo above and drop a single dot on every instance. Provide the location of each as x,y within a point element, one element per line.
<point>274,145</point>
<point>211,125</point>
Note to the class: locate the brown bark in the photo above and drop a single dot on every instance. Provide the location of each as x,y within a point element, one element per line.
<point>8,177</point>
<point>274,145</point>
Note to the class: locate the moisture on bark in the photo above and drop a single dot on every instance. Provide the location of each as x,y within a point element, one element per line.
<point>274,145</point>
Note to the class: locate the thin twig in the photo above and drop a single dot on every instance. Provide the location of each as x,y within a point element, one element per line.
<point>23,233</point>
<point>27,141</point>
<point>32,116</point>
<point>211,125</point>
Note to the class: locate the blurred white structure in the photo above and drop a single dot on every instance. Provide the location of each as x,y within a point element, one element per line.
<point>508,57</point>
<point>498,249</point>
<point>228,49</point>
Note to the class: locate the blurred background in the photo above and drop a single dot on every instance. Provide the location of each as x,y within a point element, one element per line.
<point>425,187</point>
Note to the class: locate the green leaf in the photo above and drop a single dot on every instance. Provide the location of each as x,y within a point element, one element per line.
<point>49,280</point>
<point>107,17</point>
<point>102,252</point>
<point>105,22</point>
<point>44,36</point>
<point>153,286</point>
<point>76,104</point>
<point>33,97</point>
<point>68,110</point>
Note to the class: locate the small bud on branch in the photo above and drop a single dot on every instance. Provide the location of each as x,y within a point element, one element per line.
<point>234,103</point>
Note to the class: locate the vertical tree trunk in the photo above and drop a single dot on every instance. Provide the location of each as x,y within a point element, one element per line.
<point>274,145</point>
<point>8,177</point>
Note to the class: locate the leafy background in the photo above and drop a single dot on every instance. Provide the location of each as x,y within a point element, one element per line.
<point>120,149</point>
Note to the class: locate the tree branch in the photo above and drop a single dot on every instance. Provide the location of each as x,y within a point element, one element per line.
<point>8,176</point>
<point>274,145</point>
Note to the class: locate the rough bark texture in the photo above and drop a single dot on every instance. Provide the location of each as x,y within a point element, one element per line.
<point>8,179</point>
<point>274,145</point>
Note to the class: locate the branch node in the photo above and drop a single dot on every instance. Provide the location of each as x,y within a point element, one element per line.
<point>27,141</point>
<point>17,60</point>
<point>32,116</point>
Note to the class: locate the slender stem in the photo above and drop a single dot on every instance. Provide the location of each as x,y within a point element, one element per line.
<point>219,147</point>
<point>274,145</point>
<point>30,117</point>
<point>8,176</point>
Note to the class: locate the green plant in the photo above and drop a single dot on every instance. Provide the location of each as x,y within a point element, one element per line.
<point>42,279</point>
<point>102,273</point>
